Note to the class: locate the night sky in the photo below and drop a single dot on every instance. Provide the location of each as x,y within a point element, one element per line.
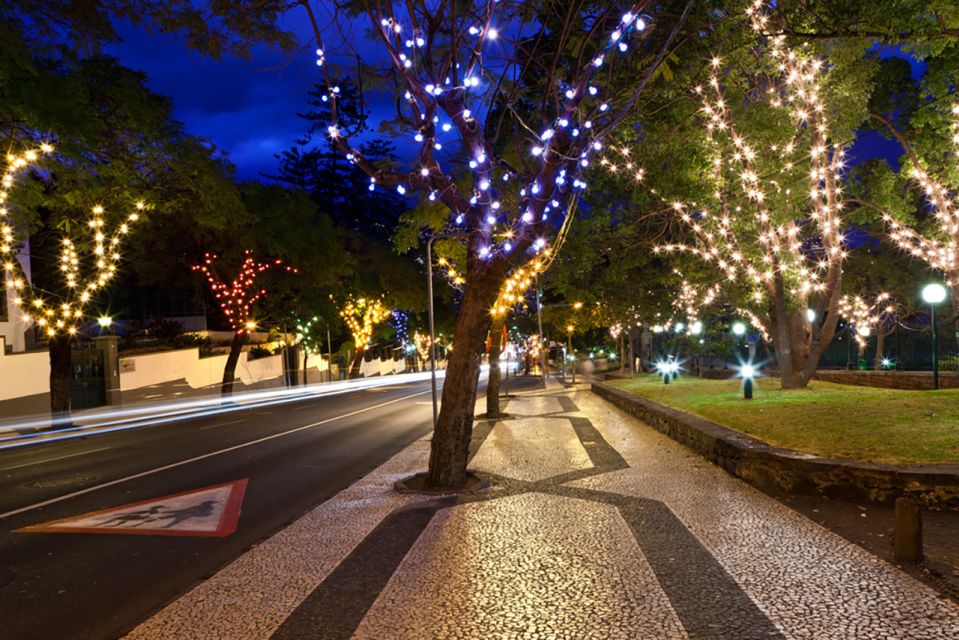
<point>248,107</point>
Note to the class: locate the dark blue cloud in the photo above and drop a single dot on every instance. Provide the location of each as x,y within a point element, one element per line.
<point>246,107</point>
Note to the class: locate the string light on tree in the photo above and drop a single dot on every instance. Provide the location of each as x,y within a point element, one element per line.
<point>939,246</point>
<point>451,67</point>
<point>58,313</point>
<point>866,318</point>
<point>237,297</point>
<point>362,316</point>
<point>772,227</point>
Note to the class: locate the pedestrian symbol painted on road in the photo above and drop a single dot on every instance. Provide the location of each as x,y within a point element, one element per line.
<point>210,512</point>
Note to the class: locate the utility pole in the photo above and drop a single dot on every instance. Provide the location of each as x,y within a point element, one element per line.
<point>329,354</point>
<point>539,318</point>
<point>429,293</point>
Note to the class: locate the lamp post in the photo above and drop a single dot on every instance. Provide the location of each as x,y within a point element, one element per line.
<point>933,294</point>
<point>429,294</point>
<point>739,330</point>
<point>569,348</point>
<point>539,319</point>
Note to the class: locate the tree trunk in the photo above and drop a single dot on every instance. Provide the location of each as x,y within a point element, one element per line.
<point>229,371</point>
<point>495,375</point>
<point>60,347</point>
<point>306,362</point>
<point>880,349</point>
<point>355,364</point>
<point>954,305</point>
<point>449,448</point>
<point>783,338</point>
<point>622,352</point>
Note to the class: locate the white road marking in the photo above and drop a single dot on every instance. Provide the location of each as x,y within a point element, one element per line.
<point>174,465</point>
<point>221,424</point>
<point>72,455</point>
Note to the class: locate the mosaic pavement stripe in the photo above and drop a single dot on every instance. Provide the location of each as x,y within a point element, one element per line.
<point>707,600</point>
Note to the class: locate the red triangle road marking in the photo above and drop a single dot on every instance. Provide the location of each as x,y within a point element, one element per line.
<point>210,512</point>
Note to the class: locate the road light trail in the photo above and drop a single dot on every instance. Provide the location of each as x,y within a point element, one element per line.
<point>204,456</point>
<point>156,414</point>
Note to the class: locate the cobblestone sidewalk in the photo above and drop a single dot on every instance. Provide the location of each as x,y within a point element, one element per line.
<point>596,527</point>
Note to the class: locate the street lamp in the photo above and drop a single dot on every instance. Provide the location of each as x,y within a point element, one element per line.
<point>933,294</point>
<point>104,322</point>
<point>739,329</point>
<point>569,348</point>
<point>696,328</point>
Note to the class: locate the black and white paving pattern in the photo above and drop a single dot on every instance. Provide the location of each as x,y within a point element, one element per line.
<point>596,527</point>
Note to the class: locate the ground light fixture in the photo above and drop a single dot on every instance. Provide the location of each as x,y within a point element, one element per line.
<point>933,294</point>
<point>747,372</point>
<point>667,370</point>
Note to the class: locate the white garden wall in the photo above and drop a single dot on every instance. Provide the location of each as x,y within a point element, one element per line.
<point>23,374</point>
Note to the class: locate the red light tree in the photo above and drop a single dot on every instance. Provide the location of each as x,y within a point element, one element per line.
<point>236,299</point>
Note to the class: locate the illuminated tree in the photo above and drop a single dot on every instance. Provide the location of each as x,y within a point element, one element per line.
<point>692,299</point>
<point>772,227</point>
<point>236,299</point>
<point>866,317</point>
<point>57,313</point>
<point>311,335</point>
<point>422,342</point>
<point>511,94</point>
<point>361,317</point>
<point>937,245</point>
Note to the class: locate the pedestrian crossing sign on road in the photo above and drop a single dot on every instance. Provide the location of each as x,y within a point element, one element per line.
<point>210,512</point>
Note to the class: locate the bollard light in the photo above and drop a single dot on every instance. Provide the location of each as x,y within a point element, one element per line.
<point>747,372</point>
<point>663,369</point>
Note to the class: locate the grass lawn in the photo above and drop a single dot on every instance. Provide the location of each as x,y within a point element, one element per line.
<point>833,420</point>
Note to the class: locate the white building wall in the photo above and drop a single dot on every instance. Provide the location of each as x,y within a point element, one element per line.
<point>23,374</point>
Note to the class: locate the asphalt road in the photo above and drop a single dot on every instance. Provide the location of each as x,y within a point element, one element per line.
<point>79,586</point>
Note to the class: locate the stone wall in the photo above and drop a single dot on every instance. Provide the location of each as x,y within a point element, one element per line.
<point>915,380</point>
<point>769,467</point>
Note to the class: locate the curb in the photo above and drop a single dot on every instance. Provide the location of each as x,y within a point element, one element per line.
<point>769,467</point>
